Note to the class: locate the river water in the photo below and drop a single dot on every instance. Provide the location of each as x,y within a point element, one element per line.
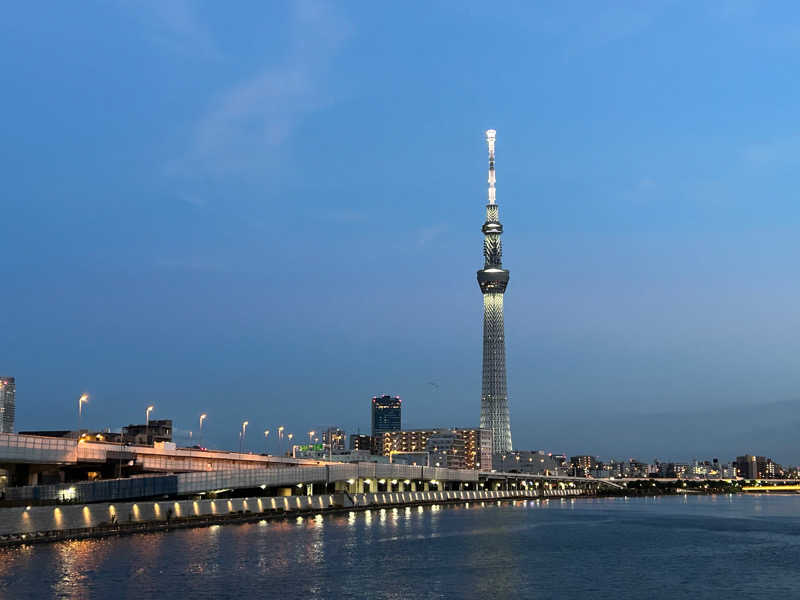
<point>667,547</point>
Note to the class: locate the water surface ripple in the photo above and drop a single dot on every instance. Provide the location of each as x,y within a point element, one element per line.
<point>668,547</point>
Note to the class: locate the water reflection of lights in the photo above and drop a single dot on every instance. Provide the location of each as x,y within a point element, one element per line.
<point>74,560</point>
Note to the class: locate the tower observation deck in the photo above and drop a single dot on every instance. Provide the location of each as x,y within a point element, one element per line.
<point>493,279</point>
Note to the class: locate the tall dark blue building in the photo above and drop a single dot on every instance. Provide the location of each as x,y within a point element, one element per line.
<point>385,414</point>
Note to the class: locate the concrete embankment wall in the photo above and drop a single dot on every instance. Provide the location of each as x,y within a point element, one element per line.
<point>28,520</point>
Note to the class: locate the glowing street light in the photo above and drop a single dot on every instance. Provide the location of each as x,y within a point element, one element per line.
<point>290,436</point>
<point>310,436</point>
<point>266,436</point>
<point>81,401</point>
<point>200,437</point>
<point>242,434</point>
<point>147,423</point>
<point>280,439</point>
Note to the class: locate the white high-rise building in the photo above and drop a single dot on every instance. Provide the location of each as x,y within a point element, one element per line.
<point>8,392</point>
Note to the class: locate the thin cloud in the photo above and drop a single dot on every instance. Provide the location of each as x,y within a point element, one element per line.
<point>426,235</point>
<point>776,152</point>
<point>174,26</point>
<point>246,124</point>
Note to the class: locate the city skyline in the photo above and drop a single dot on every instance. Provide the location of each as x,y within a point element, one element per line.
<point>186,235</point>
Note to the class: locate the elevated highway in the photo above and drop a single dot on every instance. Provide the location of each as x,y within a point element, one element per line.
<point>30,459</point>
<point>353,478</point>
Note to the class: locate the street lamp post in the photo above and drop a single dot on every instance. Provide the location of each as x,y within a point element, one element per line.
<point>280,440</point>
<point>310,436</point>
<point>200,437</point>
<point>81,401</point>
<point>147,423</point>
<point>266,436</point>
<point>241,435</point>
<point>290,436</point>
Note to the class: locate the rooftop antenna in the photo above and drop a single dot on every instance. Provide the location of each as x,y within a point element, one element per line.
<point>491,134</point>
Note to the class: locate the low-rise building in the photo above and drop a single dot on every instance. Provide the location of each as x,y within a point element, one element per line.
<point>446,449</point>
<point>79,434</point>
<point>758,467</point>
<point>477,449</point>
<point>582,465</point>
<point>159,430</point>
<point>360,441</point>
<point>535,462</point>
<point>334,437</point>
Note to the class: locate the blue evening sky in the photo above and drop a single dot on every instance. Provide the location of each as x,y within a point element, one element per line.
<point>272,211</point>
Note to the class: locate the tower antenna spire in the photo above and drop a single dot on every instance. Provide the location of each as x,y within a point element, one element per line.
<point>491,134</point>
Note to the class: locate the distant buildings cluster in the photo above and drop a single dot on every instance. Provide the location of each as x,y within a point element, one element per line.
<point>454,448</point>
<point>471,448</point>
<point>450,447</point>
<point>746,467</point>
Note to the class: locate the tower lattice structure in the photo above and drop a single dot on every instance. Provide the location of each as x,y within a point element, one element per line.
<point>493,279</point>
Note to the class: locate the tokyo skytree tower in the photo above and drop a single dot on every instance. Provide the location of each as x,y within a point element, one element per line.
<point>493,279</point>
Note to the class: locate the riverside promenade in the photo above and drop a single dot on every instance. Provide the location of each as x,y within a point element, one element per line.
<point>35,524</point>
